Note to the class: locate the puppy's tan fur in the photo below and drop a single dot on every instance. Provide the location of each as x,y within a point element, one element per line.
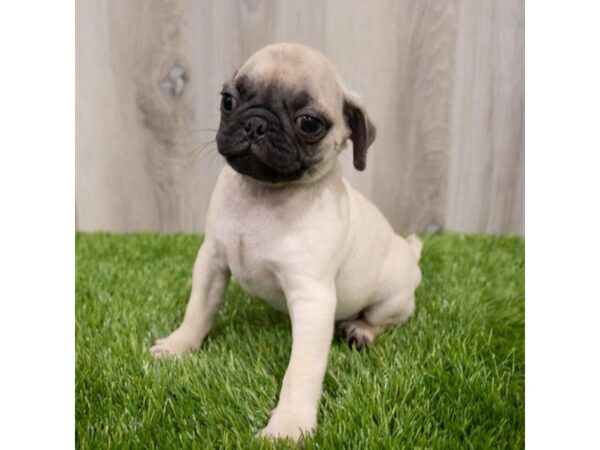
<point>314,247</point>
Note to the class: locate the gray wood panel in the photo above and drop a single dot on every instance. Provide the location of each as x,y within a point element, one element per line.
<point>486,179</point>
<point>443,81</point>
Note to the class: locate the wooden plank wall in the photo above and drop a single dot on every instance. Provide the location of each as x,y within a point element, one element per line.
<point>443,81</point>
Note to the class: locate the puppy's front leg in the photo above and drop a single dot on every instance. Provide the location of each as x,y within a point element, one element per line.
<point>312,312</point>
<point>209,280</point>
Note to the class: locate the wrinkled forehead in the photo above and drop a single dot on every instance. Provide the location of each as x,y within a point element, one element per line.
<point>301,74</point>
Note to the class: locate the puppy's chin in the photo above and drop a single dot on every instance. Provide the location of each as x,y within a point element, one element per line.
<point>248,164</point>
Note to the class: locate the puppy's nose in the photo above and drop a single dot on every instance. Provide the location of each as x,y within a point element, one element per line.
<point>255,127</point>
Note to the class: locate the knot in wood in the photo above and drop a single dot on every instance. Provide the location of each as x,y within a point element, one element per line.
<point>175,81</point>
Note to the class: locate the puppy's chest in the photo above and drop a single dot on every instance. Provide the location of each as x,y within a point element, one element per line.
<point>251,254</point>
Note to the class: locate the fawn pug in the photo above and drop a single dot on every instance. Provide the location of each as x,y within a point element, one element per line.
<point>291,230</point>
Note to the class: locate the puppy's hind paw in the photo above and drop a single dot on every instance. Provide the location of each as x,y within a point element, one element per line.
<point>358,334</point>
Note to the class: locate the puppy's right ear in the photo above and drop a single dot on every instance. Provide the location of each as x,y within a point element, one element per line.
<point>362,130</point>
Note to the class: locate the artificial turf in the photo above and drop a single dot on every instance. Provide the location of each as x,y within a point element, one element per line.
<point>450,378</point>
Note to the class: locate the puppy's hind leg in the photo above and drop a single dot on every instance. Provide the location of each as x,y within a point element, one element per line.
<point>393,311</point>
<point>360,332</point>
<point>395,308</point>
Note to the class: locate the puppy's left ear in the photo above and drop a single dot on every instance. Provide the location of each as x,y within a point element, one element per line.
<point>362,130</point>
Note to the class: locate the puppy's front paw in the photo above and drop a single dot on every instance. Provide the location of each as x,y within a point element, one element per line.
<point>289,425</point>
<point>179,342</point>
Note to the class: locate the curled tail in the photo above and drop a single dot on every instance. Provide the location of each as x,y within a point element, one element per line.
<point>415,244</point>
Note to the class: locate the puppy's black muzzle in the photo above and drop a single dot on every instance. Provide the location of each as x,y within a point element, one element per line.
<point>255,144</point>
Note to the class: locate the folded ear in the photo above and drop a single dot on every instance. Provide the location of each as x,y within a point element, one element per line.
<point>362,130</point>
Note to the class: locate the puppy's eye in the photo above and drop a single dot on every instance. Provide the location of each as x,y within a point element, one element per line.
<point>228,102</point>
<point>309,124</point>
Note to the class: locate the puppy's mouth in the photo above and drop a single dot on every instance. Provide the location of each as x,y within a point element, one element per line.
<point>236,150</point>
<point>243,159</point>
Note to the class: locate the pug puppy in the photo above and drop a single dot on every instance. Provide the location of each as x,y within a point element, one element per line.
<point>291,230</point>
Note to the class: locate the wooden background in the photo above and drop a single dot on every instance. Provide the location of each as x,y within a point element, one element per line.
<point>442,80</point>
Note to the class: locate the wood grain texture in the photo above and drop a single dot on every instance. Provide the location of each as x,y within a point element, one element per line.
<point>443,81</point>
<point>133,152</point>
<point>487,180</point>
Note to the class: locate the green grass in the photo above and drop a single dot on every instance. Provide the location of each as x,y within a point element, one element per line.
<point>451,378</point>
